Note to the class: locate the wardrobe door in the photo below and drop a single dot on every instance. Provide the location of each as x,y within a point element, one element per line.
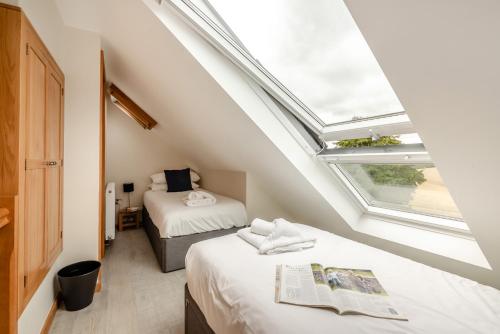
<point>54,161</point>
<point>35,252</point>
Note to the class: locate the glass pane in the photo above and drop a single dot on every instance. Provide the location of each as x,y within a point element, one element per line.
<point>414,188</point>
<point>316,50</point>
<point>409,138</point>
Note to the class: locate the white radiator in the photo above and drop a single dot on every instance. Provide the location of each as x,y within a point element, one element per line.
<point>110,211</point>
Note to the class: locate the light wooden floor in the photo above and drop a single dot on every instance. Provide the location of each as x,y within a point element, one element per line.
<point>136,297</point>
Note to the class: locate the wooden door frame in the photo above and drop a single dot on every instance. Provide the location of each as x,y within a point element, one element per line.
<point>8,261</point>
<point>10,123</point>
<point>102,159</point>
<point>102,168</point>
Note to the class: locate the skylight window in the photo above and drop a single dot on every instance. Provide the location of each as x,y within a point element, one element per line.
<point>311,58</point>
<point>317,52</point>
<point>414,188</point>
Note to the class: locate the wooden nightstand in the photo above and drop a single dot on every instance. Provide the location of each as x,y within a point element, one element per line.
<point>129,219</point>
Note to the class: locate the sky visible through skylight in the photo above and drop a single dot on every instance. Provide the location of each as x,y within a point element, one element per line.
<point>316,50</point>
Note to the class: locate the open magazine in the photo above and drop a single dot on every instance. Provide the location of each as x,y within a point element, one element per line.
<point>347,291</point>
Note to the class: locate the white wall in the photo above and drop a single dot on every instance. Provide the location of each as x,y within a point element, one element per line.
<point>81,144</point>
<point>77,53</point>
<point>45,18</point>
<point>260,204</point>
<point>133,154</point>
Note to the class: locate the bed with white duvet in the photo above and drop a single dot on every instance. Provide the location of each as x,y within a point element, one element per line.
<point>172,226</point>
<point>234,287</point>
<point>173,218</point>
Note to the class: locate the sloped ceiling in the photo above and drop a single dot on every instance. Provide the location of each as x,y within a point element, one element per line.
<point>442,58</point>
<point>198,118</point>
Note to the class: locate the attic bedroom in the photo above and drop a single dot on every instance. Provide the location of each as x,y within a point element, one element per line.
<point>279,166</point>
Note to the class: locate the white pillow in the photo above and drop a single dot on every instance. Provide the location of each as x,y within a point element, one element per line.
<point>158,186</point>
<point>160,177</point>
<point>163,186</point>
<point>194,176</point>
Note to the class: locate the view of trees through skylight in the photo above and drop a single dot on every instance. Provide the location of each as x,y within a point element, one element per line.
<point>407,187</point>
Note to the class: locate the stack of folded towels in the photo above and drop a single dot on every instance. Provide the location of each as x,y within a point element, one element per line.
<point>199,198</point>
<point>276,237</point>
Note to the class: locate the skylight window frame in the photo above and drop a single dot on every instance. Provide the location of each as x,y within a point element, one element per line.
<point>410,154</point>
<point>429,222</point>
<point>390,154</point>
<point>232,48</point>
<point>382,125</point>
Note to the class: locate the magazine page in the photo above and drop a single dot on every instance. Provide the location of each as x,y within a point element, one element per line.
<point>303,285</point>
<point>359,291</point>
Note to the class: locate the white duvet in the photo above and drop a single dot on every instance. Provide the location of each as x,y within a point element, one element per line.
<point>173,218</point>
<point>234,287</point>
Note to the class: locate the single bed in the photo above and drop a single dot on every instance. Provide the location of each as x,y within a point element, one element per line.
<point>230,289</point>
<point>172,226</point>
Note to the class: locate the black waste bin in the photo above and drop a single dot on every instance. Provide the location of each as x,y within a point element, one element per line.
<point>77,282</point>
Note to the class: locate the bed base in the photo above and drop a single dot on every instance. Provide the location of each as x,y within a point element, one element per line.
<point>194,320</point>
<point>171,252</point>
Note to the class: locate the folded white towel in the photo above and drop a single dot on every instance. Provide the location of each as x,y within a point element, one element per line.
<point>199,202</point>
<point>253,239</point>
<point>203,194</point>
<point>285,238</point>
<point>199,198</point>
<point>262,227</point>
<point>194,195</point>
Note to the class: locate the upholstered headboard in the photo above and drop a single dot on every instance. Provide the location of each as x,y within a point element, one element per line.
<point>228,183</point>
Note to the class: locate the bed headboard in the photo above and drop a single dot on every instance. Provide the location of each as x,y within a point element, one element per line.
<point>225,182</point>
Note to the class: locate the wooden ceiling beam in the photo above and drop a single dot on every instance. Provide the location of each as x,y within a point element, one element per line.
<point>121,100</point>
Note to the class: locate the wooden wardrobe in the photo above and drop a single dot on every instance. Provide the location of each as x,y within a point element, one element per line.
<point>31,151</point>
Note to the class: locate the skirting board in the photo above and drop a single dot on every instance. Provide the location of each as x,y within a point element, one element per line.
<point>55,306</point>
<point>50,317</point>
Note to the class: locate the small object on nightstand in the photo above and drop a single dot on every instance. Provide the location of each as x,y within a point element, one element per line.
<point>129,219</point>
<point>128,188</point>
<point>133,209</point>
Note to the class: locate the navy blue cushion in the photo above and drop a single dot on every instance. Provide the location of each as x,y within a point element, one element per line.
<point>178,180</point>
